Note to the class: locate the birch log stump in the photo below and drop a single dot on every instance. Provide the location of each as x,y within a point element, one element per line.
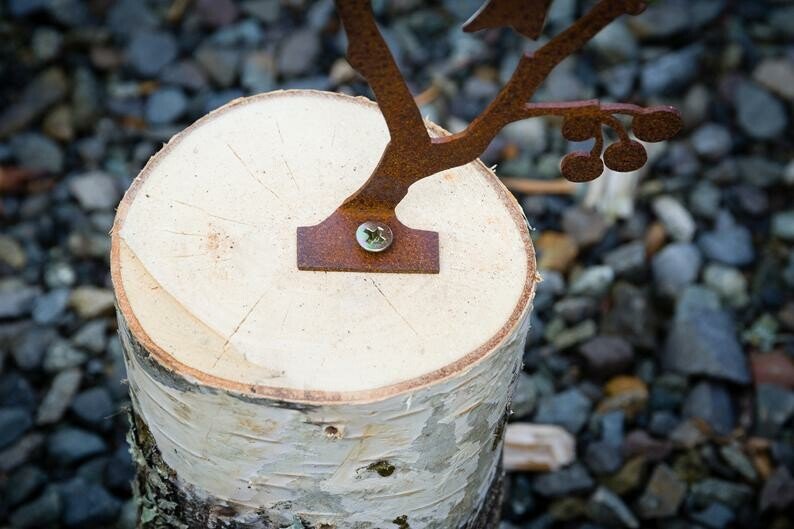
<point>268,397</point>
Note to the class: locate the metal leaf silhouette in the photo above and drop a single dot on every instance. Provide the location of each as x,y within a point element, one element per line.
<point>525,16</point>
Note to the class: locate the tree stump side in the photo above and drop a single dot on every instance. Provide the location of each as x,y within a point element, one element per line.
<point>267,397</point>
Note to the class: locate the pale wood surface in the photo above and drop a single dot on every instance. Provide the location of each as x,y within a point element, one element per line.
<point>204,258</point>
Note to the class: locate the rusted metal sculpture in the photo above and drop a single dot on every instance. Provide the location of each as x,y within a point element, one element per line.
<point>412,154</point>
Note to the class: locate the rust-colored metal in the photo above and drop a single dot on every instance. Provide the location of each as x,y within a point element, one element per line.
<point>412,154</point>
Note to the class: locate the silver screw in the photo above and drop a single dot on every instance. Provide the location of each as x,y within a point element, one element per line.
<point>374,236</point>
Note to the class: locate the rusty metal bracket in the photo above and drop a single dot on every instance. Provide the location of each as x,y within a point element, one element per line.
<point>412,154</point>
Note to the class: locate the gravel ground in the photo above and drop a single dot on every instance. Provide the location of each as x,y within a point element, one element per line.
<point>663,337</point>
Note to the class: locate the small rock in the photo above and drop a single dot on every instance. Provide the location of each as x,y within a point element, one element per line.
<point>14,422</point>
<point>220,64</point>
<point>20,452</point>
<point>711,402</point>
<point>568,337</point>
<point>778,491</point>
<point>759,113</point>
<point>46,89</point>
<point>537,447</point>
<point>90,302</point>
<point>71,445</point>
<point>94,406</point>
<point>639,443</point>
<point>586,226</point>
<point>737,460</point>
<point>628,478</point>
<point>568,409</point>
<point>16,298</point>
<point>23,483</point>
<point>603,457</point>
<point>677,221</point>
<point>783,225</point>
<point>671,72</point>
<point>712,141</point>
<point>712,490</point>
<point>48,308</point>
<point>557,251</point>
<point>563,482</point>
<point>728,282</point>
<point>95,191</point>
<point>217,13</point>
<point>729,243</point>
<point>298,53</point>
<point>626,393</point>
<point>186,74</point>
<point>594,281</point>
<point>151,51</point>
<point>36,151</point>
<point>704,200</point>
<point>44,511</point>
<point>11,252</point>
<point>607,355</point>
<point>259,72</point>
<point>777,75</point>
<point>662,423</point>
<point>525,396</point>
<point>62,355</point>
<point>91,336</point>
<point>59,397</point>
<point>774,406</point>
<point>702,341</point>
<point>715,516</point>
<point>165,106</point>
<point>627,259</point>
<point>607,508</point>
<point>29,348</point>
<point>675,267</point>
<point>88,504</point>
<point>689,433</point>
<point>631,315</point>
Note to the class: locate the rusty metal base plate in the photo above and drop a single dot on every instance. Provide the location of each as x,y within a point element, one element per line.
<point>331,246</point>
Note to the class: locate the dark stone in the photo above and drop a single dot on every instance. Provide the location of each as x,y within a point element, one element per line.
<point>710,490</point>
<point>23,483</point>
<point>711,402</point>
<point>607,508</point>
<point>48,308</point>
<point>631,316</point>
<point>151,51</point>
<point>36,151</point>
<point>28,349</point>
<point>94,406</point>
<point>16,299</point>
<point>120,470</point>
<point>607,355</point>
<point>774,406</point>
<point>44,511</point>
<point>87,504</point>
<point>627,259</point>
<point>14,422</point>
<point>71,445</point>
<point>603,457</point>
<point>671,72</point>
<point>46,89</point>
<point>663,494</point>
<point>570,480</point>
<point>587,227</point>
<point>715,516</point>
<point>778,491</point>
<point>568,409</point>
<point>662,423</point>
<point>16,391</point>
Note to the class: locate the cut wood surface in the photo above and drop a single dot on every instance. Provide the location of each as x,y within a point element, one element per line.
<point>268,397</point>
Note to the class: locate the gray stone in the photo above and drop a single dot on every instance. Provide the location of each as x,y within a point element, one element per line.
<point>298,53</point>
<point>59,397</point>
<point>783,225</point>
<point>16,298</point>
<point>220,64</point>
<point>48,308</point>
<point>94,406</point>
<point>759,113</point>
<point>91,336</point>
<point>14,423</point>
<point>151,51</point>
<point>585,226</point>
<point>44,511</point>
<point>777,75</point>
<point>126,17</point>
<point>258,73</point>
<point>735,457</point>
<point>88,504</point>
<point>774,406</point>
<point>186,74</point>
<point>23,483</point>
<point>607,508</point>
<point>711,402</point>
<point>165,106</point>
<point>663,494</point>
<point>569,409</point>
<point>712,141</point>
<point>265,10</point>
<point>671,72</point>
<point>46,89</point>
<point>715,516</point>
<point>627,259</point>
<point>95,191</point>
<point>563,482</point>
<point>677,221</point>
<point>594,281</point>
<point>728,282</point>
<point>36,151</point>
<point>603,457</point>
<point>62,355</point>
<point>729,243</point>
<point>676,266</point>
<point>28,349</point>
<point>71,445</point>
<point>704,200</point>
<point>710,490</point>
